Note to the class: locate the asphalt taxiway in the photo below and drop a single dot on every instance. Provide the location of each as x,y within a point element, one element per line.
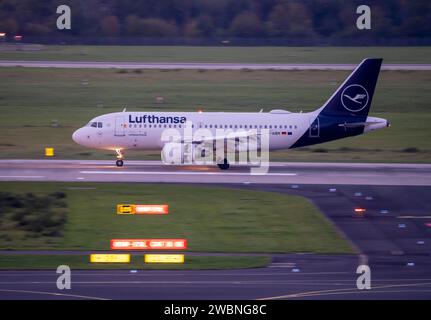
<point>200,65</point>
<point>393,237</point>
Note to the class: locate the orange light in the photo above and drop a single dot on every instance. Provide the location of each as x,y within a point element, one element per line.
<point>151,209</point>
<point>200,110</point>
<point>148,244</point>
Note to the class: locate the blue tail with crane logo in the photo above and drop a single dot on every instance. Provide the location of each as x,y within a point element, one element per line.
<point>345,113</point>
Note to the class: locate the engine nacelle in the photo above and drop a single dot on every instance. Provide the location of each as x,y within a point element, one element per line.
<point>175,153</point>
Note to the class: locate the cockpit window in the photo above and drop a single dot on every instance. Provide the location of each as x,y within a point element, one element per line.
<point>95,124</point>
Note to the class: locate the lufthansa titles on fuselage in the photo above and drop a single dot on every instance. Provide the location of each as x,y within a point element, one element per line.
<point>156,119</point>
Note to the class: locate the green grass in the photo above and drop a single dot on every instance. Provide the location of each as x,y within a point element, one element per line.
<point>212,219</point>
<point>31,98</point>
<point>137,262</point>
<point>218,54</point>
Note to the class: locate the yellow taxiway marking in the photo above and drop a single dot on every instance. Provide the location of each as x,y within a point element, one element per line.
<point>342,291</point>
<point>414,217</point>
<point>54,294</point>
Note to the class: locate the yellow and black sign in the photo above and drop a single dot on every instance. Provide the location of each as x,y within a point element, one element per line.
<point>125,209</point>
<point>164,258</point>
<point>142,209</point>
<point>111,258</point>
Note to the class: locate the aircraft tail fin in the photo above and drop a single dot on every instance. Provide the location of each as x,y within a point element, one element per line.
<point>353,97</point>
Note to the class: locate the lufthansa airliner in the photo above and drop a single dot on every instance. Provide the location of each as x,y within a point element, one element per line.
<point>343,115</point>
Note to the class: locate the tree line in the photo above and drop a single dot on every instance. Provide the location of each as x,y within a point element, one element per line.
<point>218,18</point>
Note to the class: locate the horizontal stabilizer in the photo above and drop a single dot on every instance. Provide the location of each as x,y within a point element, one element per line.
<point>358,124</point>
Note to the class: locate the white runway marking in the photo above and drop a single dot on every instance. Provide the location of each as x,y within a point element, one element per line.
<point>23,177</point>
<point>186,173</point>
<point>176,273</point>
<point>202,65</point>
<point>179,282</point>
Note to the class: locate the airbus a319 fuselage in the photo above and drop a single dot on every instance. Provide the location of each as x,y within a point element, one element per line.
<point>345,114</point>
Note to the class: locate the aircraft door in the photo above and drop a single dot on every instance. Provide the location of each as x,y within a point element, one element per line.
<point>119,126</point>
<point>314,130</point>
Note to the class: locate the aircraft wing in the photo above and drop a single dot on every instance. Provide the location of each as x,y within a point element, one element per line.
<point>229,136</point>
<point>246,140</point>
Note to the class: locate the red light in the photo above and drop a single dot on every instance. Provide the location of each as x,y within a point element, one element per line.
<point>148,244</point>
<point>17,38</point>
<point>428,224</point>
<point>360,210</point>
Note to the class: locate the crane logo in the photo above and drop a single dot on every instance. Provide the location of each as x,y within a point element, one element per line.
<point>354,98</point>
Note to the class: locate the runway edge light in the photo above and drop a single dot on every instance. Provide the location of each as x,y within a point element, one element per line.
<point>164,258</point>
<point>360,211</point>
<point>148,244</point>
<point>111,258</point>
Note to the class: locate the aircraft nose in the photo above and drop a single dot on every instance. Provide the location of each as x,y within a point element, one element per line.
<point>76,136</point>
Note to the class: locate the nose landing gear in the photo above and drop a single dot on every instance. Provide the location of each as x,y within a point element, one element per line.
<point>120,157</point>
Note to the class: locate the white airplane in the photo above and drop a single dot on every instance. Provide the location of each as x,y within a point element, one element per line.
<point>345,114</point>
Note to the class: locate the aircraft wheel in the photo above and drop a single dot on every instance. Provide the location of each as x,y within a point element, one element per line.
<point>224,166</point>
<point>119,163</point>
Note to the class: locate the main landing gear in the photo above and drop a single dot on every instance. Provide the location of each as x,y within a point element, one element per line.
<point>120,157</point>
<point>223,166</point>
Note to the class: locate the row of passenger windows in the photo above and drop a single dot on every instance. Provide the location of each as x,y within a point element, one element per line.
<point>210,126</point>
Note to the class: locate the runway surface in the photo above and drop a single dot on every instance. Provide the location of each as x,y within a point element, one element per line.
<point>393,238</point>
<point>154,171</point>
<point>202,66</point>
